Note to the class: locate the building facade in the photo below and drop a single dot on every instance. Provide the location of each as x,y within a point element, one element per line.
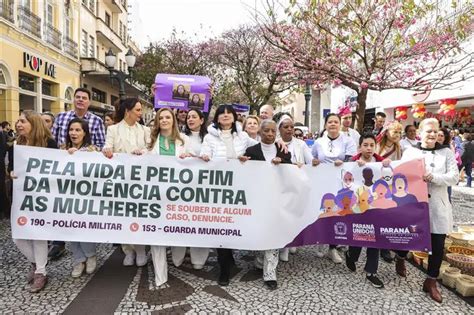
<point>48,48</point>
<point>39,62</point>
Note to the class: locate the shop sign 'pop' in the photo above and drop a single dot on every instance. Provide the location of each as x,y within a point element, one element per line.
<point>36,64</point>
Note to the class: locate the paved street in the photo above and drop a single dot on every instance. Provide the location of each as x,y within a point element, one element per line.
<point>306,284</point>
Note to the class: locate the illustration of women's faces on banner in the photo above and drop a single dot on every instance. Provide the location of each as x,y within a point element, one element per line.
<point>182,91</point>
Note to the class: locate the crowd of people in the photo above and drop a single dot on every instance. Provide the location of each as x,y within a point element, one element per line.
<point>268,138</point>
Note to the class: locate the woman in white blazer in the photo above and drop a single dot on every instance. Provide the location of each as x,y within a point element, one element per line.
<point>128,136</point>
<point>440,172</point>
<point>166,141</point>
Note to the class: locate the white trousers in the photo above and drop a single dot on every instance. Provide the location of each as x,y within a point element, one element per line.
<point>268,260</point>
<point>160,265</point>
<point>285,251</point>
<point>35,251</point>
<point>132,249</point>
<point>198,255</point>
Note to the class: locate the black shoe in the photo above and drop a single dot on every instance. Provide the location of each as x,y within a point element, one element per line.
<point>386,255</point>
<point>375,281</point>
<point>271,284</point>
<point>223,280</point>
<point>349,263</point>
<point>56,252</point>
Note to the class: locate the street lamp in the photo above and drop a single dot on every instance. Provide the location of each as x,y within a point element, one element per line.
<point>307,97</point>
<point>110,60</point>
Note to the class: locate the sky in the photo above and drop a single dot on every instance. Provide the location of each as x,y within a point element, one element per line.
<point>154,20</point>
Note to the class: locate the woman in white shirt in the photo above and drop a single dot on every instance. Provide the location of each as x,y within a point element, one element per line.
<point>195,130</point>
<point>300,154</point>
<point>166,141</point>
<point>333,147</point>
<point>128,136</point>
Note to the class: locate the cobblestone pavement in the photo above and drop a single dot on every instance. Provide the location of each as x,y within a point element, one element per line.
<point>306,284</point>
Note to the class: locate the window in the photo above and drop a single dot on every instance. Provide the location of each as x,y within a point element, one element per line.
<point>67,26</point>
<point>84,2</point>
<point>91,47</point>
<point>26,4</point>
<point>46,88</point>
<point>98,95</point>
<point>2,77</point>
<point>120,30</point>
<point>49,14</point>
<point>84,44</point>
<point>27,82</point>
<point>107,19</point>
<point>92,5</point>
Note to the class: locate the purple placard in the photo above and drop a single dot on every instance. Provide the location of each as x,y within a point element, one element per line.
<point>182,91</point>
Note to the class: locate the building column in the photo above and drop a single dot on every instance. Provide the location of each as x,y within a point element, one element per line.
<point>39,95</point>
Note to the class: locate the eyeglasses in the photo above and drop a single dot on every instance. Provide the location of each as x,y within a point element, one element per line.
<point>298,135</point>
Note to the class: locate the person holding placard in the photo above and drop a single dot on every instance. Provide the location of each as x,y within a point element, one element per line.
<point>166,140</point>
<point>333,147</point>
<point>225,139</point>
<point>300,154</point>
<point>32,131</point>
<point>440,172</point>
<point>267,150</point>
<point>195,130</point>
<point>128,136</point>
<point>79,139</point>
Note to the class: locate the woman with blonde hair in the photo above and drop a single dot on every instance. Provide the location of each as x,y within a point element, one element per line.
<point>389,141</point>
<point>251,126</point>
<point>166,140</point>
<point>33,132</point>
<point>389,147</point>
<point>440,172</point>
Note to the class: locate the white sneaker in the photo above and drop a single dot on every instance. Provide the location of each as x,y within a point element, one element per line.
<point>198,266</point>
<point>142,260</point>
<point>91,265</point>
<point>334,256</point>
<point>319,251</point>
<point>129,260</point>
<point>284,254</point>
<point>77,270</point>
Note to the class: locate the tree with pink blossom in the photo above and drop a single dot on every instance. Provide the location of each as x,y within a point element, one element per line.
<point>372,45</point>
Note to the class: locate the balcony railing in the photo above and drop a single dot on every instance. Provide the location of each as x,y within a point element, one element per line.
<point>52,35</point>
<point>28,21</point>
<point>6,10</point>
<point>70,46</point>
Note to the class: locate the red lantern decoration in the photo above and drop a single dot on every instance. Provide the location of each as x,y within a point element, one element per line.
<point>401,113</point>
<point>418,110</point>
<point>447,107</point>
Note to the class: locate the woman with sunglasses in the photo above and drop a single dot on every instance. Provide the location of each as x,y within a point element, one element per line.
<point>333,147</point>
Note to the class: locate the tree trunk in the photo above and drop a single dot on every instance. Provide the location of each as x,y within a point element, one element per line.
<point>360,112</point>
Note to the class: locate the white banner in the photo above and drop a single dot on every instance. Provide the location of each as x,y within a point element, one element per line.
<point>169,201</point>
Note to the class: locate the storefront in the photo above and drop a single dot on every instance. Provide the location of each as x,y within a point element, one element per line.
<point>34,77</point>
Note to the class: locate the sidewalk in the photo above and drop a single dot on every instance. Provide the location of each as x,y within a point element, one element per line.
<point>306,284</point>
